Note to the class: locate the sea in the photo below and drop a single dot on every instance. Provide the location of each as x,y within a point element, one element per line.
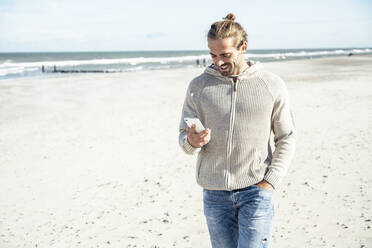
<point>30,64</point>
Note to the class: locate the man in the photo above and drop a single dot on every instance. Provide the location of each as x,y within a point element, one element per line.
<point>241,104</point>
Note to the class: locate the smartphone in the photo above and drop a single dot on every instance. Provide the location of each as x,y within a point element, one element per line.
<point>198,125</point>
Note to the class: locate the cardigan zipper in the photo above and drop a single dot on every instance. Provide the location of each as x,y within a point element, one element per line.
<point>231,130</point>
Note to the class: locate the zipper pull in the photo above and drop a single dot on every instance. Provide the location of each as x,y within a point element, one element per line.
<point>234,79</point>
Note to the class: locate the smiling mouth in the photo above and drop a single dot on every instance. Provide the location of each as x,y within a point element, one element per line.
<point>224,67</point>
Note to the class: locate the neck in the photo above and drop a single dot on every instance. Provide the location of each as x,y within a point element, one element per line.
<point>244,66</point>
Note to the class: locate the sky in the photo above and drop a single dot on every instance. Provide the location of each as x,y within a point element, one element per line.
<point>121,25</point>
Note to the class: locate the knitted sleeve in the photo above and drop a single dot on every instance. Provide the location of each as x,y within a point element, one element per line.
<point>283,127</point>
<point>188,110</point>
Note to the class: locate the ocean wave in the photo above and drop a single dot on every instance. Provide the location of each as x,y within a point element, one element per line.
<point>16,70</point>
<point>167,60</point>
<point>307,53</point>
<point>129,61</point>
<point>10,67</point>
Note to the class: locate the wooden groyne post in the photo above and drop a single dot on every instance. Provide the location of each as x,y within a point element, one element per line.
<point>76,71</point>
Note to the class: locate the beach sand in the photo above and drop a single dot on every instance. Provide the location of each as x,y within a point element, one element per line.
<point>93,160</point>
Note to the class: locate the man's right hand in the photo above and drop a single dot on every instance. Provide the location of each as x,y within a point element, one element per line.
<point>198,140</point>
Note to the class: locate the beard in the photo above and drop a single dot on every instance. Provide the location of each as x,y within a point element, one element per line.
<point>228,69</point>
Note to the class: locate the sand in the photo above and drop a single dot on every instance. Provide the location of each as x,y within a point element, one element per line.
<point>93,160</point>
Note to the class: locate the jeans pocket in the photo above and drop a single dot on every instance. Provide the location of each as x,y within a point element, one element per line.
<point>257,203</point>
<point>263,189</point>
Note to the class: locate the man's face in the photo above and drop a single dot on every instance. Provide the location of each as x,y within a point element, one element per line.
<point>226,56</point>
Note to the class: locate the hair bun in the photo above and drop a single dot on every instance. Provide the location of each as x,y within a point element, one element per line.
<point>230,17</point>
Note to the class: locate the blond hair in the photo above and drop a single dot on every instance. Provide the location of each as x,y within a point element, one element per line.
<point>228,28</point>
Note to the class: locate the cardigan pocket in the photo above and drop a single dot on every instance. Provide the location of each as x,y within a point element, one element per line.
<point>256,167</point>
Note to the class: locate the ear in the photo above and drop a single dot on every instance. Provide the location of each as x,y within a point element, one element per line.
<point>244,47</point>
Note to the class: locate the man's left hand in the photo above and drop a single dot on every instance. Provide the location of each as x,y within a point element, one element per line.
<point>265,185</point>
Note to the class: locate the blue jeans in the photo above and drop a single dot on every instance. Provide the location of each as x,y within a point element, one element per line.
<point>240,218</point>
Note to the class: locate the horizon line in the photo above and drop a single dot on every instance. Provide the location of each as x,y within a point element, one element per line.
<point>177,50</point>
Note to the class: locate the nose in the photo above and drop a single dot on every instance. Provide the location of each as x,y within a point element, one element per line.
<point>219,62</point>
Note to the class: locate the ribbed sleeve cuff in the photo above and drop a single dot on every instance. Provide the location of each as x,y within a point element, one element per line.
<point>272,178</point>
<point>189,149</point>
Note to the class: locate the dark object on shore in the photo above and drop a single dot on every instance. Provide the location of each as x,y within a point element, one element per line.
<point>82,71</point>
<point>350,54</point>
<point>75,71</point>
